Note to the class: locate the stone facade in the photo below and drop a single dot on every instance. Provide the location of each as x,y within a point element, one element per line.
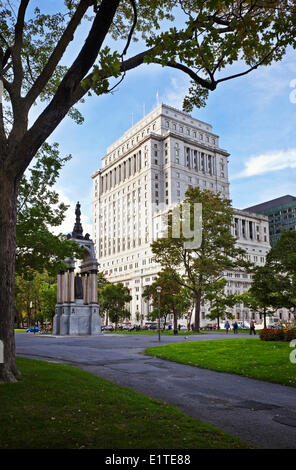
<point>145,173</point>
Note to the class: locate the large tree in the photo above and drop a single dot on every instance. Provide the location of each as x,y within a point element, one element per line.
<point>33,42</point>
<point>174,299</point>
<point>282,261</point>
<point>199,268</point>
<point>219,301</point>
<point>113,299</point>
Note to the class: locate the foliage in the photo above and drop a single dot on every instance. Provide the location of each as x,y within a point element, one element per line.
<point>282,259</point>
<point>112,300</point>
<point>271,334</point>
<point>36,296</point>
<point>219,301</point>
<point>203,265</point>
<point>267,292</point>
<point>174,299</point>
<point>38,211</point>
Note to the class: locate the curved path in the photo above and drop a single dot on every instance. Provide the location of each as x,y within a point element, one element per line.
<point>260,413</point>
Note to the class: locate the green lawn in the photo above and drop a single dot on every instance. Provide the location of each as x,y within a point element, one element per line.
<point>265,360</point>
<point>58,406</point>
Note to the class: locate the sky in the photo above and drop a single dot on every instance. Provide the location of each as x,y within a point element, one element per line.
<point>254,115</point>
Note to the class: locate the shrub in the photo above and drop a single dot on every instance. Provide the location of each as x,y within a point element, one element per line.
<point>271,334</point>
<point>290,334</point>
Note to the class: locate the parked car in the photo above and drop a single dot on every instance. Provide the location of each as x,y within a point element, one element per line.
<point>275,326</point>
<point>243,326</point>
<point>107,328</point>
<point>182,327</point>
<point>210,326</point>
<point>128,328</point>
<point>34,329</point>
<point>153,326</point>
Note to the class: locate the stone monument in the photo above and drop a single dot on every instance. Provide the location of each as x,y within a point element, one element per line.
<point>77,309</point>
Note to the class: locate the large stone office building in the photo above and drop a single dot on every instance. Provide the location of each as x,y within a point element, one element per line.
<point>146,172</point>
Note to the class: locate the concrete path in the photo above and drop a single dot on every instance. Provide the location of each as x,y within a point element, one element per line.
<point>260,413</point>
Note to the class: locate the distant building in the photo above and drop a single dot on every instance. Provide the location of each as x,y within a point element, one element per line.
<point>281,214</point>
<point>146,172</point>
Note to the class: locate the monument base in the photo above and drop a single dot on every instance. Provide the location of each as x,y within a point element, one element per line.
<point>77,319</point>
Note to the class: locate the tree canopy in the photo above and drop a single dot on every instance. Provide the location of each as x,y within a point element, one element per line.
<point>199,268</point>
<point>38,212</point>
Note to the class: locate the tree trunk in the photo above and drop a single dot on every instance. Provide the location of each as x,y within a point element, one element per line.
<point>197,310</point>
<point>189,315</point>
<point>8,195</point>
<point>175,319</point>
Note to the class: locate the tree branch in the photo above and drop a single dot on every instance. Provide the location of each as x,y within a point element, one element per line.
<point>58,52</point>
<point>66,92</point>
<point>17,47</point>
<point>132,28</point>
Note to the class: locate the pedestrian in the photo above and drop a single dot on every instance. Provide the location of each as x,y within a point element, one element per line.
<point>227,326</point>
<point>252,327</point>
<point>235,327</point>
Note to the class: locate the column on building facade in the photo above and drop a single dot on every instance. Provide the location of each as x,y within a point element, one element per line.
<point>140,160</point>
<point>71,290</point>
<point>215,164</point>
<point>100,185</point>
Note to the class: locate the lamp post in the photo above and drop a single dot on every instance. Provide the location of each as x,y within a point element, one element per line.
<point>158,290</point>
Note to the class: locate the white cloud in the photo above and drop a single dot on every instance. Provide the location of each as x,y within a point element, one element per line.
<point>175,94</point>
<point>268,162</point>
<point>68,224</point>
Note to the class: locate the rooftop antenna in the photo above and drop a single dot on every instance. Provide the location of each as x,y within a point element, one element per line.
<point>157,98</point>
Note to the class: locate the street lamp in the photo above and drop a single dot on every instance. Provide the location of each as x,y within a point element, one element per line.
<point>158,290</point>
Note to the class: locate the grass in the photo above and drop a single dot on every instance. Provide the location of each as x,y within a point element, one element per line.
<point>58,406</point>
<point>264,360</point>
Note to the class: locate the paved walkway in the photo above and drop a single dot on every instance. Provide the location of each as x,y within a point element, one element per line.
<point>260,413</point>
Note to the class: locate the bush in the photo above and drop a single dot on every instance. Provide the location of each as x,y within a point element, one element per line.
<point>290,334</point>
<point>271,334</point>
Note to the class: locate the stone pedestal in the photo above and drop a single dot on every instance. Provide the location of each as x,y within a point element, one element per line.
<point>77,319</point>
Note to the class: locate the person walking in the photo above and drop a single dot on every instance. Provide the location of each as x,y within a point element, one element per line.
<point>252,327</point>
<point>227,326</point>
<point>235,327</point>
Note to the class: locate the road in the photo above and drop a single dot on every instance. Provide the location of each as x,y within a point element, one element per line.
<point>260,413</point>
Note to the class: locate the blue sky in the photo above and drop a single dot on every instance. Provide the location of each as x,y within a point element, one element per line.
<point>253,115</point>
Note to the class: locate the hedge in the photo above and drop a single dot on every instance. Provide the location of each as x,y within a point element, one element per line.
<point>271,334</point>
